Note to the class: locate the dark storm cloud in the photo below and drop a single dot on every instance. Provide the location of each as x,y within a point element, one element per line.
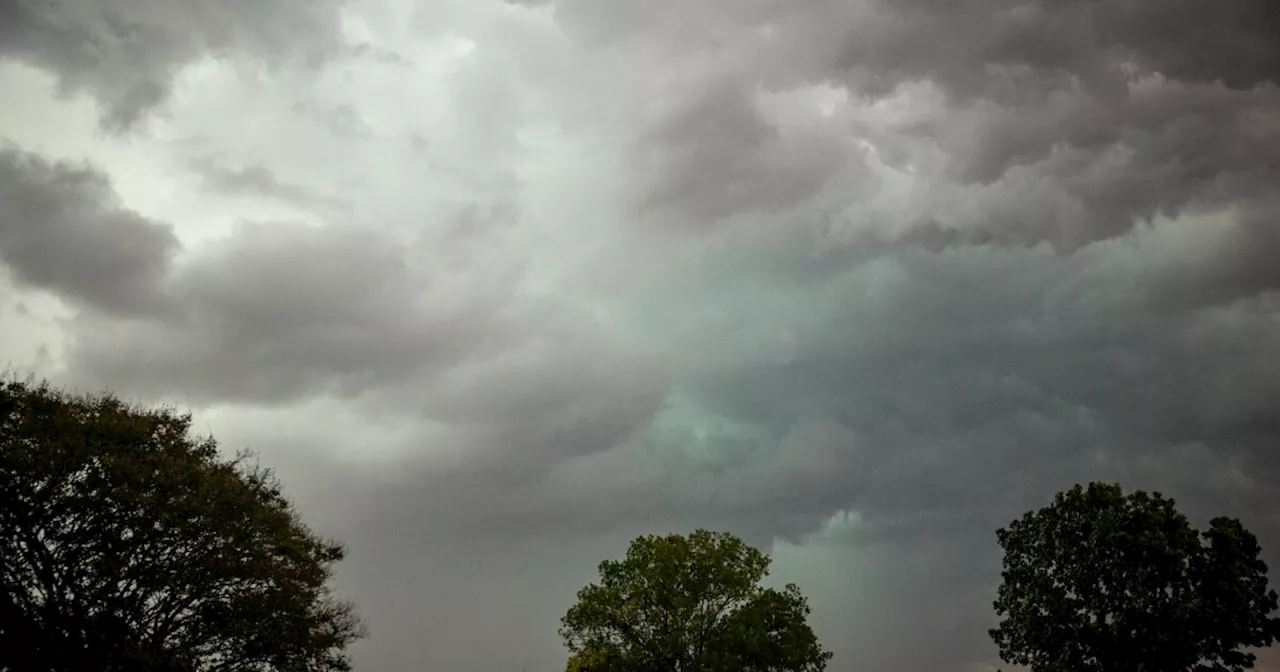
<point>917,384</point>
<point>970,385</point>
<point>1065,122</point>
<point>63,229</point>
<point>714,154</point>
<point>270,312</point>
<point>975,48</point>
<point>908,385</point>
<point>1072,170</point>
<point>280,310</point>
<point>948,371</point>
<point>1104,113</point>
<point>126,52</point>
<point>1238,264</point>
<point>935,396</point>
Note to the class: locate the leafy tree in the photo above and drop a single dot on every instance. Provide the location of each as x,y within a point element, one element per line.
<point>1101,581</point>
<point>127,544</point>
<point>690,604</point>
<point>594,660</point>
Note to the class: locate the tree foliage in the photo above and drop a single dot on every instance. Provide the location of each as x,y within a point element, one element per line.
<point>1101,581</point>
<point>128,544</point>
<point>690,604</point>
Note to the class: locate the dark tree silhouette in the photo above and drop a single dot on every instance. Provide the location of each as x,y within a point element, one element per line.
<point>690,604</point>
<point>1100,581</point>
<point>128,544</point>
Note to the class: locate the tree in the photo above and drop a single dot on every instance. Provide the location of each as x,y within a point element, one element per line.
<point>1101,581</point>
<point>690,604</point>
<point>594,660</point>
<point>128,544</point>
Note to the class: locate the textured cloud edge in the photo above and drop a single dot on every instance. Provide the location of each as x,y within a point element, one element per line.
<point>522,279</point>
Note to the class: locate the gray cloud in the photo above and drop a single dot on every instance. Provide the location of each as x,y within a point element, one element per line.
<point>258,180</point>
<point>929,396</point>
<point>715,155</point>
<point>281,309</point>
<point>63,229</point>
<point>973,49</point>
<point>1237,265</point>
<point>126,52</point>
<point>1101,168</point>
<point>299,308</point>
<point>942,347</point>
<point>972,398</point>
<point>1030,121</point>
<point>277,312</point>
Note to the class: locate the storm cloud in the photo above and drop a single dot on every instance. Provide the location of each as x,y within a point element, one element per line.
<point>125,52</point>
<point>497,285</point>
<point>63,229</point>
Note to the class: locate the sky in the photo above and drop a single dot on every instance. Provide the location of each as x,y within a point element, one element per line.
<point>496,287</point>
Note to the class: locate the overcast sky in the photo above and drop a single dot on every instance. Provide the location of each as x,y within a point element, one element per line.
<point>497,286</point>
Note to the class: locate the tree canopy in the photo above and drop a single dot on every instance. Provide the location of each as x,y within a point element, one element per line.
<point>1103,581</point>
<point>690,604</point>
<point>129,544</point>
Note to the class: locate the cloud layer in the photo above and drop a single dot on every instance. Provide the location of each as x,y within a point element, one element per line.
<point>498,285</point>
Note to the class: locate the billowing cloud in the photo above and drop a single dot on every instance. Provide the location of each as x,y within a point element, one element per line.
<point>63,229</point>
<point>125,52</point>
<point>499,285</point>
<point>1025,121</point>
